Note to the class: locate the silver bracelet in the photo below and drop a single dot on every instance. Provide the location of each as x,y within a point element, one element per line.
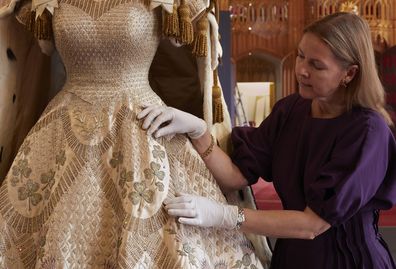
<point>240,218</point>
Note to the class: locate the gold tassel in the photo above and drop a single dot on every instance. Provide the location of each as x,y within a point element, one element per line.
<point>42,26</point>
<point>217,106</point>
<point>200,46</point>
<point>186,27</point>
<point>170,24</point>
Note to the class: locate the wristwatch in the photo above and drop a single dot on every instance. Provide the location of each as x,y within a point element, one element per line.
<point>240,218</point>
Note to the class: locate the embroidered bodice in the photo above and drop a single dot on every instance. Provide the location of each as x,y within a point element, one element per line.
<point>107,46</point>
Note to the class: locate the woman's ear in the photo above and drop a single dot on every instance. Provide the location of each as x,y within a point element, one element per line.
<point>351,72</point>
<point>47,47</point>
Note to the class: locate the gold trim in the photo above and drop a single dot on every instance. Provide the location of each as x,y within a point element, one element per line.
<point>153,245</point>
<point>145,227</point>
<point>24,244</point>
<point>96,9</point>
<point>48,119</point>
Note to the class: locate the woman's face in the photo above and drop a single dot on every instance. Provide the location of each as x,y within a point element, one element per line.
<point>318,72</point>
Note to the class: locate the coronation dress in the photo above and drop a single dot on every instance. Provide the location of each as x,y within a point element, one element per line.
<point>87,185</point>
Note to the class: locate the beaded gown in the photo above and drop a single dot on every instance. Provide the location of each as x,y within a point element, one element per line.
<point>87,185</point>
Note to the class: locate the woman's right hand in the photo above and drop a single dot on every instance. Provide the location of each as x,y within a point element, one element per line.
<point>164,120</point>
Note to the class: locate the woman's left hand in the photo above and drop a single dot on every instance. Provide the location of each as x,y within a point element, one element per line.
<point>201,211</point>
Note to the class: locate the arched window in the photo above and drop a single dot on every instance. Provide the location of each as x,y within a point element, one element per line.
<point>285,12</point>
<point>368,9</point>
<point>274,11</point>
<point>262,14</point>
<point>386,9</point>
<point>325,9</point>
<point>378,10</point>
<point>252,13</point>
<point>243,14</point>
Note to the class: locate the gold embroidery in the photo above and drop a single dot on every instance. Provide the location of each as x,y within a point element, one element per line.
<point>96,8</point>
<point>88,124</point>
<point>141,193</point>
<point>29,192</point>
<point>30,225</point>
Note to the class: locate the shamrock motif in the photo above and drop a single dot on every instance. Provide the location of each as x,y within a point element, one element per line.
<point>188,251</point>
<point>154,172</point>
<point>14,181</point>
<point>246,260</point>
<point>158,153</point>
<point>141,193</point>
<point>117,159</point>
<point>21,169</point>
<point>29,191</point>
<point>61,158</point>
<point>160,186</point>
<point>245,263</point>
<point>25,148</point>
<point>48,179</point>
<point>125,177</point>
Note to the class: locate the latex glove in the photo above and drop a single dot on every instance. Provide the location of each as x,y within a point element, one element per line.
<point>164,120</point>
<point>201,211</point>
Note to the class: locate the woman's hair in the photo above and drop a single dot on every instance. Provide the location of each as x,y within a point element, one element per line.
<point>349,38</point>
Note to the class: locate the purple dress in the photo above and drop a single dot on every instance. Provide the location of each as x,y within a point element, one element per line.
<point>343,168</point>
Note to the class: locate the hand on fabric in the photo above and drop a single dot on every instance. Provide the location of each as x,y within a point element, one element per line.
<point>201,211</point>
<point>164,120</point>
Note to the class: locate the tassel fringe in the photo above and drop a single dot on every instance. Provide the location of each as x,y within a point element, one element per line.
<point>217,104</point>
<point>186,27</point>
<point>171,24</point>
<point>200,46</point>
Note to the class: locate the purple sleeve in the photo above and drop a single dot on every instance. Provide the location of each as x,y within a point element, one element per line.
<point>363,161</point>
<point>252,147</point>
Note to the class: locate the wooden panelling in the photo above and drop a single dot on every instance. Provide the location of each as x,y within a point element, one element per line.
<point>274,27</point>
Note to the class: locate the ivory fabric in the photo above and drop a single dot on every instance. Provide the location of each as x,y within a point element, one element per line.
<point>87,185</point>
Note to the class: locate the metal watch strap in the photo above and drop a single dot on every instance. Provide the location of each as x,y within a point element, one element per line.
<point>240,218</point>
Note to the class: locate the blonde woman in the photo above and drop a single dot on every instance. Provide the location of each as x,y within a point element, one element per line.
<point>328,149</point>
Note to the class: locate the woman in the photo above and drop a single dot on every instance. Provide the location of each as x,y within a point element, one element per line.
<point>328,150</point>
<point>87,186</point>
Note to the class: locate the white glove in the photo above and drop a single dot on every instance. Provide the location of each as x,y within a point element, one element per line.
<point>164,120</point>
<point>201,211</point>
